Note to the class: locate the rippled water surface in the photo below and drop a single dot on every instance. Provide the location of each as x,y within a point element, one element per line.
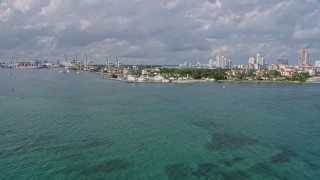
<point>80,126</point>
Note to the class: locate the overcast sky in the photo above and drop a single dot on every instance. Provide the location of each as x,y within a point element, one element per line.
<point>159,32</point>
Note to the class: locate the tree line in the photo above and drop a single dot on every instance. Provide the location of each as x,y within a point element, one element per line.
<point>218,74</point>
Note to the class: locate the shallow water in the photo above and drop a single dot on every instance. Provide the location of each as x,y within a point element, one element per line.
<point>80,126</point>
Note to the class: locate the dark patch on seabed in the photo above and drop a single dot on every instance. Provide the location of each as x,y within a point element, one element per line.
<point>237,159</point>
<point>229,163</point>
<point>225,162</point>
<point>313,166</point>
<point>206,170</point>
<point>221,141</point>
<point>284,156</point>
<point>265,170</point>
<point>178,171</point>
<point>203,171</point>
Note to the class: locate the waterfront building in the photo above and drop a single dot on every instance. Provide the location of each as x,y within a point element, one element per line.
<point>303,57</point>
<point>240,66</point>
<point>312,71</point>
<point>257,66</point>
<point>317,64</point>
<point>250,66</point>
<point>252,60</point>
<point>253,66</point>
<point>273,67</point>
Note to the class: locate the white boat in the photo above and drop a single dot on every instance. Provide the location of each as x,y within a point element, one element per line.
<point>159,78</point>
<point>142,79</point>
<point>131,78</point>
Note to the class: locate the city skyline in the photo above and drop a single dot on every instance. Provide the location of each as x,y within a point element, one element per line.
<point>166,32</point>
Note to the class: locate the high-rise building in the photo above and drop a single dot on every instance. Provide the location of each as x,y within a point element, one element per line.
<point>211,63</point>
<point>282,61</point>
<point>229,63</point>
<point>317,63</point>
<point>221,61</point>
<point>303,57</point>
<point>260,59</point>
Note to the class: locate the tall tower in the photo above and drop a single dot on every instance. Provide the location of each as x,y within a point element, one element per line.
<point>303,57</point>
<point>260,59</point>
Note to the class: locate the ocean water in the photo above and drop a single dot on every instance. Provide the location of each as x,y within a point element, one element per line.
<point>80,126</point>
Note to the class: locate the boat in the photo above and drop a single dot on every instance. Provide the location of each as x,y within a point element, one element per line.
<point>131,79</point>
<point>159,78</point>
<point>28,67</point>
<point>142,79</point>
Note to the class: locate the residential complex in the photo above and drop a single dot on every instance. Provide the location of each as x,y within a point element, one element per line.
<point>220,62</point>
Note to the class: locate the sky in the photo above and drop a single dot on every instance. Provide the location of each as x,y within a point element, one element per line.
<point>159,32</point>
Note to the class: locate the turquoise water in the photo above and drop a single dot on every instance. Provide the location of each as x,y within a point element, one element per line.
<point>80,126</point>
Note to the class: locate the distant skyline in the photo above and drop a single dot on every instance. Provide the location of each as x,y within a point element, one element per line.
<point>159,32</point>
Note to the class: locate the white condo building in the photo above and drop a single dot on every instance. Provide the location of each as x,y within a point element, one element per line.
<point>220,61</point>
<point>260,59</point>
<point>252,60</point>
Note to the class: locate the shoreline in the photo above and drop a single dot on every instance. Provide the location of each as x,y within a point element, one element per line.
<point>263,81</point>
<point>312,80</point>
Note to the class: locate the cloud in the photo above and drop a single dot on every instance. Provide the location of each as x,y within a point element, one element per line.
<point>46,42</point>
<point>307,33</point>
<point>22,5</point>
<point>50,8</point>
<point>161,32</point>
<point>4,16</point>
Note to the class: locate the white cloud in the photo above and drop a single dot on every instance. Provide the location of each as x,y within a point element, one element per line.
<point>4,16</point>
<point>47,42</point>
<point>22,5</point>
<point>50,8</point>
<point>173,4</point>
<point>307,33</point>
<point>84,24</point>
